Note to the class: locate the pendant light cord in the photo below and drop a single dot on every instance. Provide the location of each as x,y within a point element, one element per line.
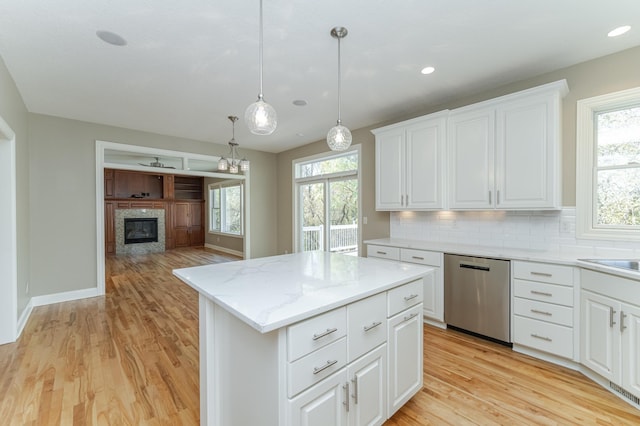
<point>261,48</point>
<point>339,84</point>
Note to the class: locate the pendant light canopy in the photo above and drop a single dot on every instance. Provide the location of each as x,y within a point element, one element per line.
<point>339,137</point>
<point>233,163</point>
<point>261,117</point>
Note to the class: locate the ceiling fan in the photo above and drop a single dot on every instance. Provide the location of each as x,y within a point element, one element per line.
<point>157,163</point>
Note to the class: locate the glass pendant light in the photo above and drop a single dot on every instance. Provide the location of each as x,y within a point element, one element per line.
<point>261,117</point>
<point>232,163</point>
<point>339,137</point>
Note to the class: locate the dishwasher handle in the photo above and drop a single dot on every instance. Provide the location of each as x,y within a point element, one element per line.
<point>475,266</point>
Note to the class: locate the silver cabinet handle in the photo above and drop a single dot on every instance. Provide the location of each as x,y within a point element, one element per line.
<point>402,200</point>
<point>346,395</point>
<point>611,314</point>
<point>382,252</point>
<point>355,389</point>
<point>329,363</point>
<point>489,197</point>
<point>535,311</point>
<point>541,293</point>
<point>417,257</point>
<point>548,339</point>
<point>372,326</point>
<point>407,199</point>
<point>497,197</point>
<point>413,296</point>
<point>407,318</point>
<point>541,274</point>
<point>326,333</point>
<point>622,317</point>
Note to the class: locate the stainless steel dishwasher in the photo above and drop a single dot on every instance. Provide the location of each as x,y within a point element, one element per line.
<point>476,295</point>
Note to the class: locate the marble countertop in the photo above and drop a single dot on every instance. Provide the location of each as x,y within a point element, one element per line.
<point>547,256</point>
<point>273,292</point>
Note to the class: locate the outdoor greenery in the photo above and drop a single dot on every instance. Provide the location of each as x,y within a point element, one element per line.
<point>226,209</point>
<point>618,167</point>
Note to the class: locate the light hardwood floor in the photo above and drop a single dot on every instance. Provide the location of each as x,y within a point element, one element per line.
<point>131,358</point>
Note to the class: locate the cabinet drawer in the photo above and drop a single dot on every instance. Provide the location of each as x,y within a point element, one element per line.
<point>316,366</point>
<point>543,272</point>
<point>367,325</point>
<point>558,294</point>
<point>542,311</point>
<point>552,338</point>
<point>430,258</point>
<point>404,297</point>
<point>307,336</point>
<point>383,252</point>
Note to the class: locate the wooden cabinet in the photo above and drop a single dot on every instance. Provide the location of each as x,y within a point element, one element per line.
<point>543,308</point>
<point>610,344</point>
<point>505,153</point>
<point>410,159</point>
<point>184,219</point>
<point>188,223</point>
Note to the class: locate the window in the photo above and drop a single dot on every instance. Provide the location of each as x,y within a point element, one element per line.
<point>226,206</point>
<point>327,203</point>
<point>608,166</point>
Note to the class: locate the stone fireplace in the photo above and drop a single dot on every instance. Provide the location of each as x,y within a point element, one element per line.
<point>139,231</point>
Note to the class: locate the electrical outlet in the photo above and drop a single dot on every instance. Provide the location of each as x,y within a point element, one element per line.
<point>364,220</point>
<point>26,288</point>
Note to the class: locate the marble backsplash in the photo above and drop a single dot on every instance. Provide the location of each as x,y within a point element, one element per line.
<point>548,230</point>
<point>139,248</point>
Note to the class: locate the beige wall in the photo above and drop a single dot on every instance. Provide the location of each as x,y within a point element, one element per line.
<point>63,197</point>
<point>603,75</point>
<point>14,113</point>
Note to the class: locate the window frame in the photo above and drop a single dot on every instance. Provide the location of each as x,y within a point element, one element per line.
<point>220,186</point>
<point>586,165</point>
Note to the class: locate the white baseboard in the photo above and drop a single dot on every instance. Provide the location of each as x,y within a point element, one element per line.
<point>24,317</point>
<point>225,250</point>
<point>67,296</point>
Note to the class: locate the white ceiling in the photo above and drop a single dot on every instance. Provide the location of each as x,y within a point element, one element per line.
<point>191,63</point>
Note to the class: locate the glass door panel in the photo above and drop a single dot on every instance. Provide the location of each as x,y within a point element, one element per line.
<point>312,220</point>
<point>343,216</point>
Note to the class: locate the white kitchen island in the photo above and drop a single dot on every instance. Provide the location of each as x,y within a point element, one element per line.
<point>307,338</point>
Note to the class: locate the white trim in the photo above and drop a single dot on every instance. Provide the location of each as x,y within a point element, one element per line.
<point>24,317</point>
<point>585,181</point>
<point>66,296</point>
<point>9,243</point>
<point>225,250</point>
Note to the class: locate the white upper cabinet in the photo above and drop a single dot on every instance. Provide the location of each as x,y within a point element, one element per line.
<point>505,153</point>
<point>410,160</point>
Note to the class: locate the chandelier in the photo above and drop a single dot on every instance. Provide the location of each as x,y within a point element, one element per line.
<point>233,163</point>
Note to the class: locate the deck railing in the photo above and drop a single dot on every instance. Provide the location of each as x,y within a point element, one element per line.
<point>343,238</point>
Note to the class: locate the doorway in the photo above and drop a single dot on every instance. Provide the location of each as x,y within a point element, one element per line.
<point>8,236</point>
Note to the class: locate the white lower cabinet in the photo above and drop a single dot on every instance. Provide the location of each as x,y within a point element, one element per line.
<point>610,344</point>
<point>321,405</point>
<point>405,357</point>
<point>433,302</point>
<point>362,361</point>
<point>543,308</point>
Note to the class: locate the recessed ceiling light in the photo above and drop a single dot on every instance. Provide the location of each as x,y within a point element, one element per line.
<point>427,70</point>
<point>300,102</point>
<point>111,38</point>
<point>619,31</point>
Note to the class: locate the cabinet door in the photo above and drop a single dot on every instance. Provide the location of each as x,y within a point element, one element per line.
<point>471,138</point>
<point>323,404</point>
<point>433,302</point>
<point>631,348</point>
<point>425,159</point>
<point>405,357</point>
<point>527,153</point>
<point>181,214</point>
<point>600,343</point>
<point>390,170</point>
<point>368,389</point>
<point>196,228</point>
